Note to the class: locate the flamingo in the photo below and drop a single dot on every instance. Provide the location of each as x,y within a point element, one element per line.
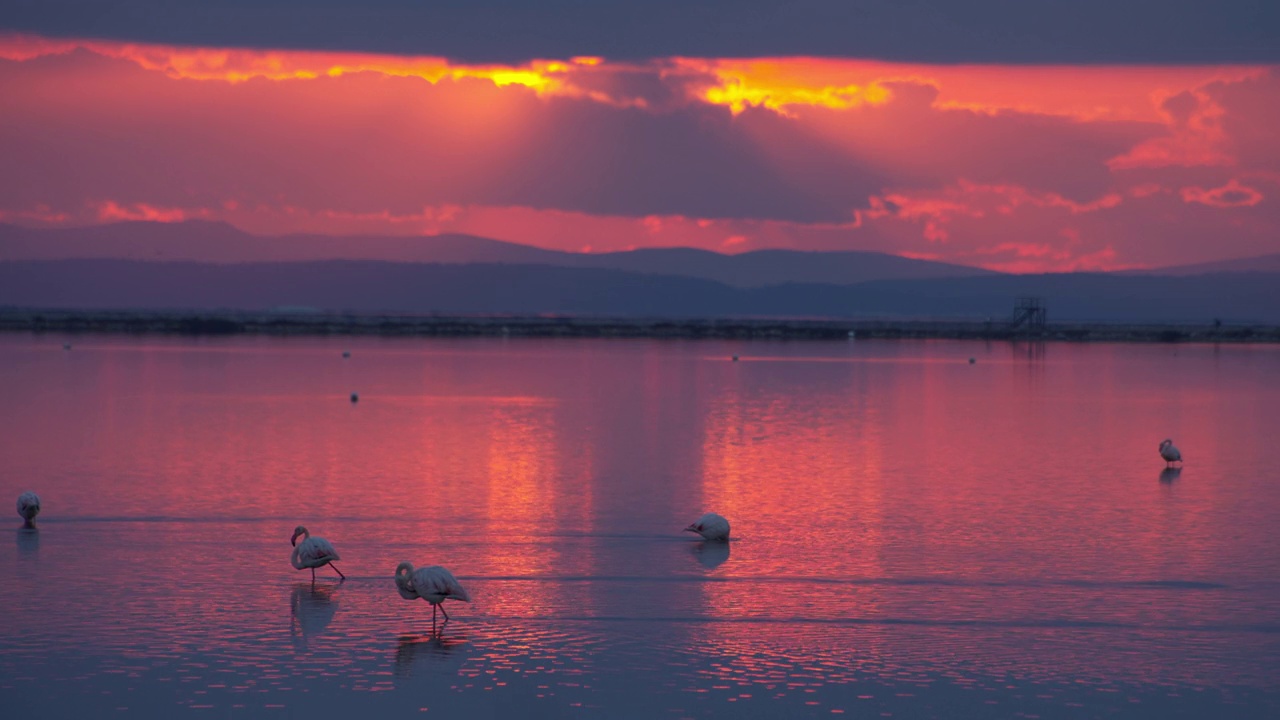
<point>711,527</point>
<point>433,584</point>
<point>28,508</point>
<point>312,553</point>
<point>1170,453</point>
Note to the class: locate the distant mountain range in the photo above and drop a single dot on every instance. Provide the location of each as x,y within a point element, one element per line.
<point>1260,263</point>
<point>207,265</point>
<point>217,242</point>
<point>368,287</point>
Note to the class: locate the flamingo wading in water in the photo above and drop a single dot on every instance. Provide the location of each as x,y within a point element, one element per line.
<point>1170,453</point>
<point>711,527</point>
<point>433,584</point>
<point>312,552</point>
<point>28,508</point>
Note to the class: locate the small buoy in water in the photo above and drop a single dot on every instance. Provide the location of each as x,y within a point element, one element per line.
<point>66,346</point>
<point>355,397</point>
<point>852,334</point>
<point>346,354</point>
<point>972,360</point>
<point>735,358</point>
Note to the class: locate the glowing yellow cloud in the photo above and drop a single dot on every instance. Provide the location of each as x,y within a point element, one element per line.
<point>778,83</point>
<point>236,65</point>
<point>782,85</point>
<point>1084,93</point>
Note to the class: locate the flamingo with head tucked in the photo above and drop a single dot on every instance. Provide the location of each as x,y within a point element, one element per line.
<point>312,552</point>
<point>28,508</point>
<point>433,584</point>
<point>1170,453</point>
<point>711,527</point>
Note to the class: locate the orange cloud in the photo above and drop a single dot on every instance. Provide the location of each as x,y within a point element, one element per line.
<point>1196,136</point>
<point>1102,93</point>
<point>779,84</point>
<point>776,85</point>
<point>805,153</point>
<point>1030,257</point>
<point>973,200</point>
<point>237,65</point>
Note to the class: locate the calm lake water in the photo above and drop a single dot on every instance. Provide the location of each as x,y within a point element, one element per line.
<point>915,536</point>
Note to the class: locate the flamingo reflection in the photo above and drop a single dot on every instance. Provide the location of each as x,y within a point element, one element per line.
<point>434,648</point>
<point>711,554</point>
<point>1169,474</point>
<point>28,541</point>
<point>311,609</point>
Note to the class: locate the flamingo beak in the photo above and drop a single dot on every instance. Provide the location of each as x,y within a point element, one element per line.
<point>294,540</point>
<point>691,529</point>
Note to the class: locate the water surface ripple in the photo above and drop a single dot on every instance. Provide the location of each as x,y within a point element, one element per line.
<point>915,536</point>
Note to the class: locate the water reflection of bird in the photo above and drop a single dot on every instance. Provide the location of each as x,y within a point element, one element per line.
<point>711,554</point>
<point>312,609</point>
<point>433,584</point>
<point>434,648</point>
<point>1169,474</point>
<point>312,552</point>
<point>28,508</point>
<point>28,541</point>
<point>1170,453</point>
<point>711,527</point>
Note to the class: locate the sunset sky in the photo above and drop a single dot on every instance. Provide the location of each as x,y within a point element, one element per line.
<point>1084,136</point>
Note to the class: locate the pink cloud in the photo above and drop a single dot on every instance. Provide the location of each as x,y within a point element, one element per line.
<point>38,215</point>
<point>955,163</point>
<point>1195,135</point>
<point>111,211</point>
<point>1231,195</point>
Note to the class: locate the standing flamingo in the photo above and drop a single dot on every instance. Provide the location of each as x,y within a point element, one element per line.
<point>433,584</point>
<point>1170,453</point>
<point>28,508</point>
<point>711,527</point>
<point>312,552</point>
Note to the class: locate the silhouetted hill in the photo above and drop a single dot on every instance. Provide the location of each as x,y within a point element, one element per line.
<point>217,242</point>
<point>1260,263</point>
<point>364,286</point>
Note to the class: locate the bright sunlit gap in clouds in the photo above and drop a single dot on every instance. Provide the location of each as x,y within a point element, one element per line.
<point>1017,168</point>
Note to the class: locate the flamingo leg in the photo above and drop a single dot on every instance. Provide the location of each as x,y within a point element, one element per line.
<point>443,612</point>
<point>313,576</point>
<point>335,569</point>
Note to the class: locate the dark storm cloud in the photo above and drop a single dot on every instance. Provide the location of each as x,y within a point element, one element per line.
<point>946,31</point>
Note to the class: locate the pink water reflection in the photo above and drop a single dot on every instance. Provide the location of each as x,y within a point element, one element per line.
<point>900,517</point>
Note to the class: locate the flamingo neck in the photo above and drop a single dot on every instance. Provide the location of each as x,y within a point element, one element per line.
<point>403,580</point>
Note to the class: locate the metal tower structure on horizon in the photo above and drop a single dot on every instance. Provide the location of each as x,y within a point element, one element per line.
<point>1029,312</point>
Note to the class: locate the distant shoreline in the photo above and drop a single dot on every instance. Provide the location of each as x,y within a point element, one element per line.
<point>246,323</point>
